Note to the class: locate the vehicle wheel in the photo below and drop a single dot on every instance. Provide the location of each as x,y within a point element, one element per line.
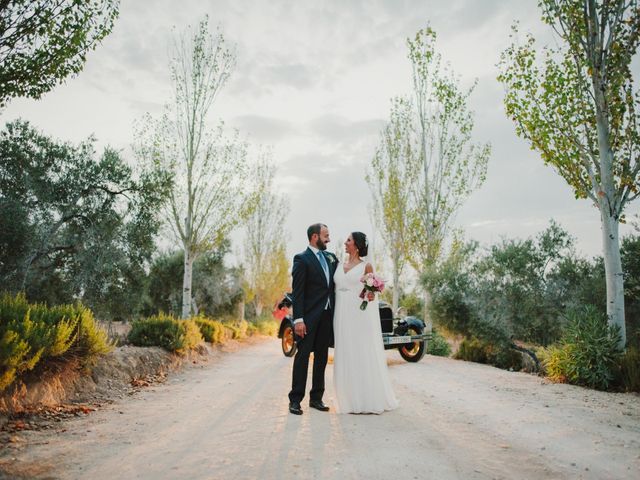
<point>413,352</point>
<point>288,343</point>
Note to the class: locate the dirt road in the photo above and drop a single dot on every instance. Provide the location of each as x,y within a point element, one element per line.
<point>457,420</point>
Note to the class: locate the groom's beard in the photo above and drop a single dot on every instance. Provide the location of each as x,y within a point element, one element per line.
<point>321,245</point>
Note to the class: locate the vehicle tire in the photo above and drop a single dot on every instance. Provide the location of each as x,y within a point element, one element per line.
<point>413,352</point>
<point>289,346</point>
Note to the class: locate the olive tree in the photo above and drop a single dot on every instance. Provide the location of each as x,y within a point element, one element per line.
<point>75,224</point>
<point>577,106</point>
<point>42,42</point>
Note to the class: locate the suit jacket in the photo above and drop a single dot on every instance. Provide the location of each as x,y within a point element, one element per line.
<point>310,288</point>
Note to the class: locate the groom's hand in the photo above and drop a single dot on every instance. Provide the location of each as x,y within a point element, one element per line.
<point>300,329</point>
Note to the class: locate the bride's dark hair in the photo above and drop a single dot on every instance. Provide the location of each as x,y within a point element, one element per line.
<point>361,242</point>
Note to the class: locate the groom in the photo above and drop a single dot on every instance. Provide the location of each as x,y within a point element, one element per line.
<point>313,300</point>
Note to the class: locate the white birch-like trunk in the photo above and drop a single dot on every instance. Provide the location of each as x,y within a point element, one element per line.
<point>427,320</point>
<point>613,274</point>
<point>186,284</point>
<point>609,216</point>
<point>259,307</point>
<point>396,290</point>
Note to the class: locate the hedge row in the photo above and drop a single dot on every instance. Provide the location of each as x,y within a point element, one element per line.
<point>587,354</point>
<point>165,331</point>
<point>33,333</point>
<point>176,335</point>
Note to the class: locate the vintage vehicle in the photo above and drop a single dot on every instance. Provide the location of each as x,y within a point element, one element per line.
<point>407,334</point>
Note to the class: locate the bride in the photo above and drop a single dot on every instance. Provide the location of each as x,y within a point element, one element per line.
<point>360,374</point>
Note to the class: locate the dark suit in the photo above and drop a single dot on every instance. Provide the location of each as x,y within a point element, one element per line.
<point>311,294</point>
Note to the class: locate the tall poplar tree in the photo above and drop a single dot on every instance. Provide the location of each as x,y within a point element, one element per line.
<point>211,193</point>
<point>577,105</point>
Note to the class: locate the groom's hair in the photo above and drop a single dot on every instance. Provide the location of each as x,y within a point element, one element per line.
<point>315,228</point>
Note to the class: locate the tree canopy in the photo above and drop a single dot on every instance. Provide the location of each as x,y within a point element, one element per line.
<point>75,226</point>
<point>42,42</point>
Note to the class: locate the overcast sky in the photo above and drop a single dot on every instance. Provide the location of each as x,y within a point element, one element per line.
<point>314,80</point>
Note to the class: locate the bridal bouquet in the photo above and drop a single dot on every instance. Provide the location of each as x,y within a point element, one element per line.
<point>370,283</point>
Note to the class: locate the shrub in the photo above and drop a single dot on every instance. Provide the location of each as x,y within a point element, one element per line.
<point>482,351</point>
<point>242,326</point>
<point>523,287</point>
<point>263,325</point>
<point>554,360</point>
<point>211,330</point>
<point>32,333</point>
<point>451,292</point>
<point>236,329</point>
<point>412,304</point>
<point>507,358</point>
<point>587,353</point>
<point>629,370</point>
<point>472,350</point>
<point>266,326</point>
<point>165,331</point>
<point>252,329</point>
<point>192,334</point>
<point>232,331</point>
<point>92,339</point>
<point>438,345</point>
<point>215,331</point>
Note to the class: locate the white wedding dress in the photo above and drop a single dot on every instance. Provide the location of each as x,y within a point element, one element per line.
<point>360,374</point>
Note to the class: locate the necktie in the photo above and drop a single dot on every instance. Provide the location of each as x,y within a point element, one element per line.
<point>325,267</point>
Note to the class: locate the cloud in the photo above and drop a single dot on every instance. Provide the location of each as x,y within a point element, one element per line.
<point>295,75</point>
<point>263,128</point>
<point>257,79</point>
<point>337,128</point>
<point>323,189</point>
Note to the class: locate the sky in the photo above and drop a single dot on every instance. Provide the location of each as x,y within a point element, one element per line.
<point>314,81</point>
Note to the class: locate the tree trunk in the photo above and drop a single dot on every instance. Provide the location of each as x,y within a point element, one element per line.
<point>609,209</point>
<point>396,289</point>
<point>186,283</point>
<point>259,307</point>
<point>613,273</point>
<point>427,320</point>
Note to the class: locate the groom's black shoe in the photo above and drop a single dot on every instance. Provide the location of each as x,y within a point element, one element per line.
<point>294,407</point>
<point>318,405</point>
